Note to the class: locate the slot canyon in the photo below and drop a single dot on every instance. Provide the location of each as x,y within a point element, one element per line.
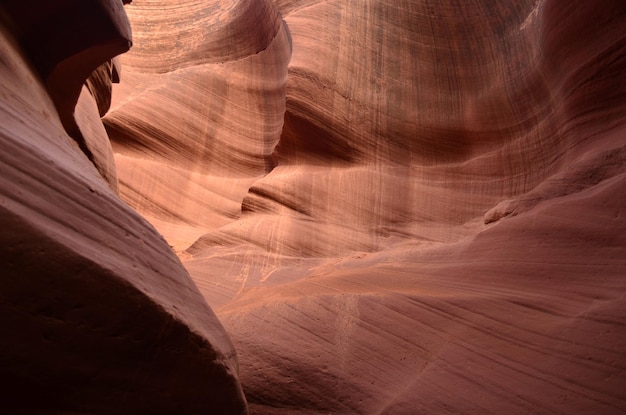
<point>273,207</point>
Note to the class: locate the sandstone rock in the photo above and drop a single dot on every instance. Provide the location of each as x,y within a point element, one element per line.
<point>100,85</point>
<point>97,314</point>
<point>192,140</point>
<point>394,207</point>
<point>66,42</point>
<point>95,138</point>
<point>439,228</point>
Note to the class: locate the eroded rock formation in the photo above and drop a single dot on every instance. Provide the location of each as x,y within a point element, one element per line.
<point>394,207</point>
<point>97,313</point>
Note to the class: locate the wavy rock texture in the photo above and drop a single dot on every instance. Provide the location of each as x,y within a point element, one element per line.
<point>395,207</point>
<point>197,123</point>
<point>98,315</point>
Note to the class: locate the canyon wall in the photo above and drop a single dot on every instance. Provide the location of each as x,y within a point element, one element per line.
<point>393,207</point>
<point>97,313</point>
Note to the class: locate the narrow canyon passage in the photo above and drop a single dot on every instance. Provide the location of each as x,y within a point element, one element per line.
<point>366,207</point>
<point>441,231</point>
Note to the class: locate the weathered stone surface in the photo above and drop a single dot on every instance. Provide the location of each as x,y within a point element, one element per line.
<point>66,41</point>
<point>439,228</point>
<point>100,85</point>
<point>191,141</point>
<point>95,138</point>
<point>394,207</point>
<point>97,313</point>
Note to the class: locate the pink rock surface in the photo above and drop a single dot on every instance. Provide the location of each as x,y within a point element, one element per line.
<point>437,227</point>
<point>198,122</point>
<point>440,226</point>
<point>393,207</point>
<point>97,313</point>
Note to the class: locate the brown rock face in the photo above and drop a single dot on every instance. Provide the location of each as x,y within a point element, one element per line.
<point>66,41</point>
<point>394,207</point>
<point>200,113</point>
<point>97,313</point>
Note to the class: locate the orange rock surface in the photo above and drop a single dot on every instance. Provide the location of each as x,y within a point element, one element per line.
<point>393,207</point>
<point>98,315</point>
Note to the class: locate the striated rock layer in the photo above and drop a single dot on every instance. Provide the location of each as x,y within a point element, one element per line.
<point>395,207</point>
<point>97,314</point>
<point>191,141</point>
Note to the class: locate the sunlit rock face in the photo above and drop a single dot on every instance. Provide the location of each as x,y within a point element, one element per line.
<point>98,315</point>
<point>395,207</point>
<point>200,111</point>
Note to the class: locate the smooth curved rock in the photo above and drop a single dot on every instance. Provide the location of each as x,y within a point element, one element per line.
<point>100,85</point>
<point>396,207</point>
<point>98,315</point>
<point>192,33</point>
<point>202,131</point>
<point>66,42</point>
